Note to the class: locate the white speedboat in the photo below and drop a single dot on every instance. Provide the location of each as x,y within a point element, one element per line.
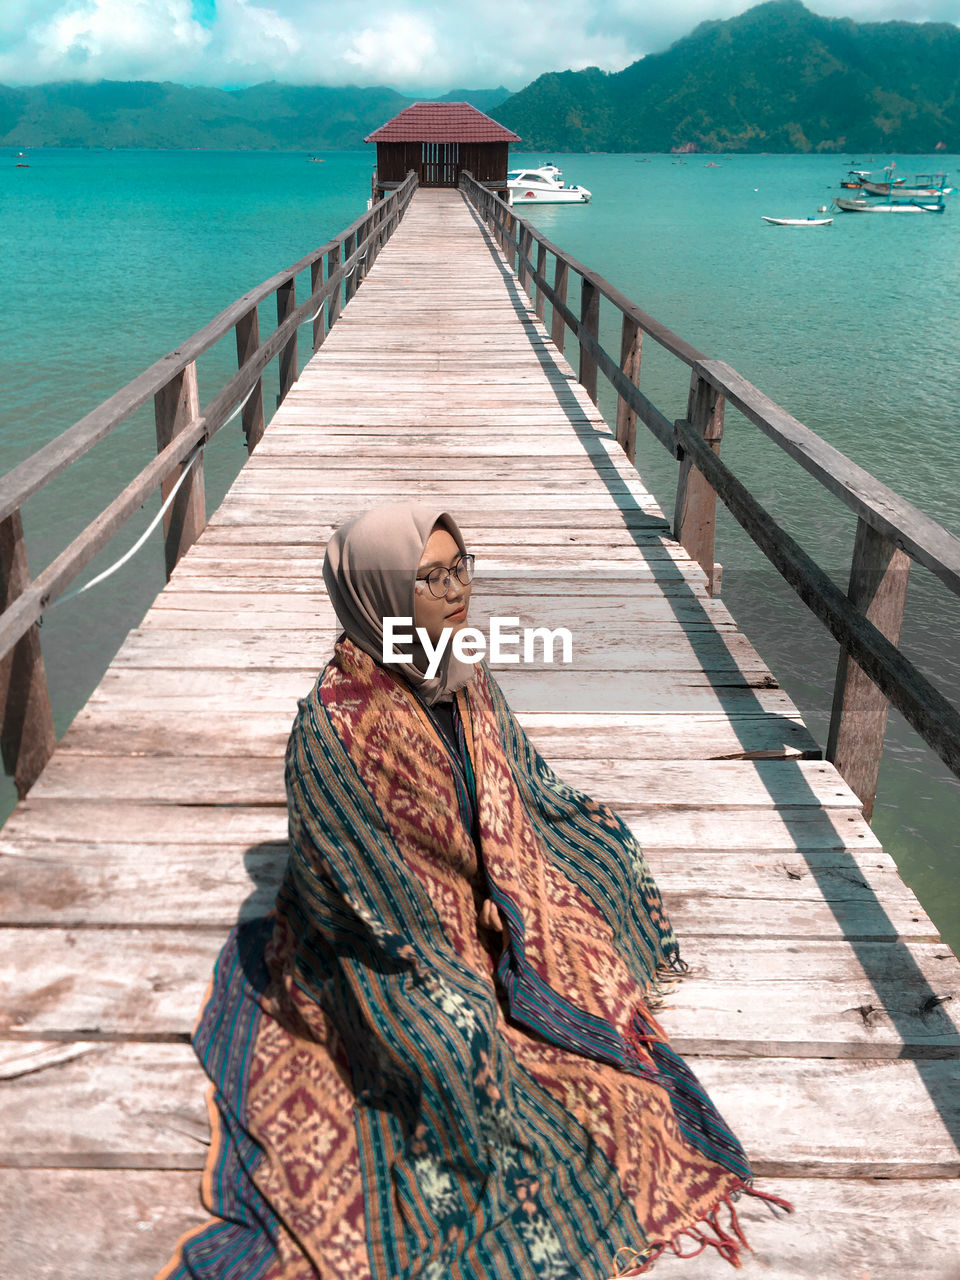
<point>542,186</point>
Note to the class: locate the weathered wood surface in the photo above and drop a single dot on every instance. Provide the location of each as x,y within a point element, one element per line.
<point>120,1224</point>
<point>742,997</point>
<point>820,1010</point>
<point>264,733</point>
<point>141,1106</point>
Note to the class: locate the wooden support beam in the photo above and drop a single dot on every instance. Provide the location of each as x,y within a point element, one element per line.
<point>523,258</point>
<point>336,298</point>
<point>316,280</point>
<point>558,328</point>
<point>27,738</point>
<point>590,320</point>
<point>541,271</point>
<point>363,262</point>
<point>286,305</point>
<point>376,235</point>
<point>631,350</point>
<point>878,587</point>
<point>177,407</point>
<point>248,340</point>
<point>349,245</point>
<point>695,509</point>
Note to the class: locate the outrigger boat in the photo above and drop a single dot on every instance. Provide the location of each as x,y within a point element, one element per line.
<point>542,186</point>
<point>924,186</point>
<point>890,206</point>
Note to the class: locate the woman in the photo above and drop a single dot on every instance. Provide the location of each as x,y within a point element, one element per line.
<point>437,1058</point>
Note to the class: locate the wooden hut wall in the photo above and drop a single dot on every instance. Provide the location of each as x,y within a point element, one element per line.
<point>487,161</point>
<point>396,159</point>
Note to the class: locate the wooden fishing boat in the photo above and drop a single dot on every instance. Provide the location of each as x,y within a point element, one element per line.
<point>923,186</point>
<point>862,205</point>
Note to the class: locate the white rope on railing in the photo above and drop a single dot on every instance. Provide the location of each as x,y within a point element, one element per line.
<point>241,405</point>
<point>187,466</point>
<point>107,573</point>
<point>361,259</point>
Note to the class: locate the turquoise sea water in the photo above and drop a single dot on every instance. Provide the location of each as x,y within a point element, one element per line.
<point>111,258</point>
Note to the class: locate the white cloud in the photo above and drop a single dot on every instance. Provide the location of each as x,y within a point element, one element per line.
<point>251,42</point>
<point>411,44</point>
<point>401,48</point>
<point>112,39</point>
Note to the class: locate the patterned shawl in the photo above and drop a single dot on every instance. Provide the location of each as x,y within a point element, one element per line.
<point>398,1094</point>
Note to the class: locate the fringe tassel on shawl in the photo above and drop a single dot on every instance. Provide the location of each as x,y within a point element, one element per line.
<point>728,1246</point>
<point>667,976</point>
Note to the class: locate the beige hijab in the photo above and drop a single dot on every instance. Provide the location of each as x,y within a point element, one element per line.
<point>369,571</point>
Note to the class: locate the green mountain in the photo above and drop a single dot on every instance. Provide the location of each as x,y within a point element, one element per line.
<point>145,114</point>
<point>776,78</point>
<point>483,99</point>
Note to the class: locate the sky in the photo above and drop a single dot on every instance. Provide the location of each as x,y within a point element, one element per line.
<point>411,45</point>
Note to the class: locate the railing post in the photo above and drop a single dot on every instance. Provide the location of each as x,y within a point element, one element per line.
<point>349,245</point>
<point>631,350</point>
<point>27,739</point>
<point>336,298</point>
<point>376,244</point>
<point>541,272</point>
<point>176,405</point>
<point>558,326</point>
<point>590,322</point>
<point>363,263</point>
<point>878,587</point>
<point>369,233</point>
<point>286,305</point>
<point>695,509</point>
<point>523,254</point>
<point>316,280</point>
<point>248,340</point>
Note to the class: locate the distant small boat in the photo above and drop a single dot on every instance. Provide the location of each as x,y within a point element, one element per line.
<point>797,222</point>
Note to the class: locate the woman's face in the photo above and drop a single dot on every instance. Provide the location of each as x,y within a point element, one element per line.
<point>429,611</point>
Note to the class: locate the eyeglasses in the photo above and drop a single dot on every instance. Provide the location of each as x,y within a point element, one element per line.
<point>438,579</point>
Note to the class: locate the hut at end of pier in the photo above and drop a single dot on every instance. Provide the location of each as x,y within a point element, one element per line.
<point>438,140</point>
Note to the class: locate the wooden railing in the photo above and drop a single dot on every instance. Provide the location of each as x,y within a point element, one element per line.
<point>872,672</point>
<point>26,723</point>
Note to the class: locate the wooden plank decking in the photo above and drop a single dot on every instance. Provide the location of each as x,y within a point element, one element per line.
<point>818,1009</point>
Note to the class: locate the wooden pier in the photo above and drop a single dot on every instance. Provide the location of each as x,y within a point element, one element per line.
<point>821,1009</point>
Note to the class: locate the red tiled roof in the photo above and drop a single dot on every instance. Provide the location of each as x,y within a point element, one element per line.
<point>441,122</point>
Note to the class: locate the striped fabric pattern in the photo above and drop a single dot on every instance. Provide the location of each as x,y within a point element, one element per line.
<point>394,1096</point>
